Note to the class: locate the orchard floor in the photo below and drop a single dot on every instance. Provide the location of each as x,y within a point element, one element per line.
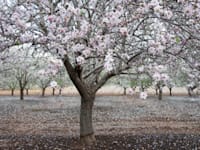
<point>120,122</point>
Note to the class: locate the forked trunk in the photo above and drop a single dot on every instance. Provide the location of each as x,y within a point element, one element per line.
<point>160,94</point>
<point>87,136</point>
<point>21,94</point>
<point>43,92</point>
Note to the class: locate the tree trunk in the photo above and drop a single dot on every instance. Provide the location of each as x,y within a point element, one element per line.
<point>43,91</point>
<point>60,91</point>
<point>21,94</point>
<point>170,91</point>
<point>124,90</point>
<point>86,128</point>
<point>53,92</point>
<point>156,91</point>
<point>142,88</point>
<point>160,94</point>
<point>27,92</point>
<point>190,92</point>
<point>12,92</point>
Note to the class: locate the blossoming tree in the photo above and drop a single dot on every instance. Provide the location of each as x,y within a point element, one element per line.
<point>97,40</point>
<point>21,67</point>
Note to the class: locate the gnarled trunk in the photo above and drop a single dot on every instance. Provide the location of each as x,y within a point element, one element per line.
<point>87,136</point>
<point>21,94</point>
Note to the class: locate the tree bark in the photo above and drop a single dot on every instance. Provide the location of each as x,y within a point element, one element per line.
<point>170,91</point>
<point>142,88</point>
<point>12,92</point>
<point>190,92</point>
<point>160,94</point>
<point>43,91</point>
<point>124,90</point>
<point>87,136</point>
<point>21,94</point>
<point>53,92</point>
<point>156,91</point>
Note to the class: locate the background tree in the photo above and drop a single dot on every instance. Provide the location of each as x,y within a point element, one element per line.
<point>22,65</point>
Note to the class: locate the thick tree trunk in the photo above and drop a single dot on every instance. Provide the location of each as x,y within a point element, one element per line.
<point>170,91</point>
<point>12,92</point>
<point>53,92</point>
<point>21,94</point>
<point>160,94</point>
<point>43,91</point>
<point>86,128</point>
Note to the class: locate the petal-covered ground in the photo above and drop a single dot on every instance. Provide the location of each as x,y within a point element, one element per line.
<point>120,123</point>
<point>104,142</point>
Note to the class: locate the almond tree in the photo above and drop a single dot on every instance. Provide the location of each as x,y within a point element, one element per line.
<point>97,40</point>
<point>47,71</point>
<point>22,66</point>
<point>8,81</point>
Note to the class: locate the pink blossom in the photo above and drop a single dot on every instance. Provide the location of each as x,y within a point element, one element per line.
<point>189,10</point>
<point>123,31</point>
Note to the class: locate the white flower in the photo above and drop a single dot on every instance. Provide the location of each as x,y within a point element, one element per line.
<point>130,91</point>
<point>80,60</point>
<point>141,69</point>
<point>143,95</point>
<point>78,47</point>
<point>53,84</point>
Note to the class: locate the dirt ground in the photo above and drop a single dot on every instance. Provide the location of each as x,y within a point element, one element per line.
<point>120,122</point>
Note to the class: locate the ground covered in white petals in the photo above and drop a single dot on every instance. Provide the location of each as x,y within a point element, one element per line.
<point>120,122</point>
